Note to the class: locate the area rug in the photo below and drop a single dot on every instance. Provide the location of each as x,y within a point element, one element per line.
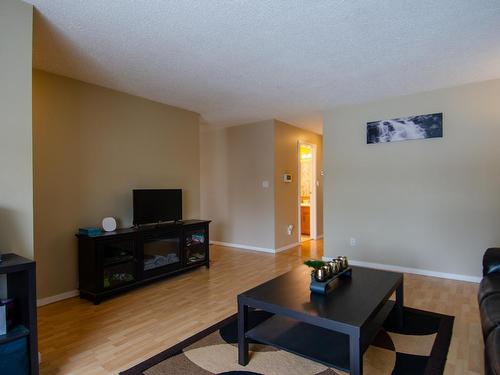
<point>420,347</point>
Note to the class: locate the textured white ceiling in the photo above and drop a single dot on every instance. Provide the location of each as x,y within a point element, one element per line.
<point>238,61</point>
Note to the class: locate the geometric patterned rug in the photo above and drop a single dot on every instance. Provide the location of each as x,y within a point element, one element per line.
<point>420,347</point>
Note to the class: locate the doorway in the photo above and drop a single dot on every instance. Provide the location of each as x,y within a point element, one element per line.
<point>307,192</point>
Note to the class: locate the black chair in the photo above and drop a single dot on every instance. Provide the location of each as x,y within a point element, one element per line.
<point>489,308</point>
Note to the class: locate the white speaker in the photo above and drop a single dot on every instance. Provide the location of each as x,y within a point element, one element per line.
<point>109,224</point>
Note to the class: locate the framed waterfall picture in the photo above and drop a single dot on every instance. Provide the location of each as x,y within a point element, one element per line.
<point>405,128</point>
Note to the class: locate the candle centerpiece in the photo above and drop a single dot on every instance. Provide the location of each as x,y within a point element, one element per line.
<point>323,274</point>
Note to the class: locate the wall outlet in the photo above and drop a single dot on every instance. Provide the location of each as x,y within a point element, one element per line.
<point>290,229</point>
<point>352,241</point>
<point>265,184</point>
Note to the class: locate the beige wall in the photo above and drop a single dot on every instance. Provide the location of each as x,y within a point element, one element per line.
<point>16,183</point>
<point>286,194</point>
<point>235,161</point>
<point>92,146</point>
<point>214,186</point>
<point>429,204</point>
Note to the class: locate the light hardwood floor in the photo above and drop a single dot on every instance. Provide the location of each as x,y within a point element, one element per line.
<point>77,337</point>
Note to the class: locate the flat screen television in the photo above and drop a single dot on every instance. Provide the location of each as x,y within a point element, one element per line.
<point>156,205</point>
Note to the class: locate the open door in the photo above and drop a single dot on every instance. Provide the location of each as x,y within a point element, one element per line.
<point>307,200</point>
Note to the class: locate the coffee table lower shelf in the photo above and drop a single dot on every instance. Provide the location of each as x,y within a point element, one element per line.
<point>312,342</point>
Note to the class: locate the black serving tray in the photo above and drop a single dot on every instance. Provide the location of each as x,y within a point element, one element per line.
<point>325,287</point>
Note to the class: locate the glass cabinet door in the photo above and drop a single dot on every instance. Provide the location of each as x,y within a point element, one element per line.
<point>195,245</point>
<point>117,251</point>
<point>119,274</point>
<point>118,262</point>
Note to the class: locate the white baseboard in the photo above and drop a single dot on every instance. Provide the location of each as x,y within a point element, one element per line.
<point>245,247</point>
<point>255,248</point>
<point>58,297</point>
<point>417,271</point>
<point>319,237</point>
<point>283,248</point>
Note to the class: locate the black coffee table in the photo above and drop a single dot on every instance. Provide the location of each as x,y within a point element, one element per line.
<point>335,329</point>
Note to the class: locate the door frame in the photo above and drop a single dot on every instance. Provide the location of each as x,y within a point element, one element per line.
<point>314,191</point>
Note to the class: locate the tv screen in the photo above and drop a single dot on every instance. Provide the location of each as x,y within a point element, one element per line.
<point>155,205</point>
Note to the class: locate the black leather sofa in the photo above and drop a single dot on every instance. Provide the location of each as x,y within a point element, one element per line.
<point>489,308</point>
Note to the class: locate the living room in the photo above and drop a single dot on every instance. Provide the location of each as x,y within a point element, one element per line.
<point>194,113</point>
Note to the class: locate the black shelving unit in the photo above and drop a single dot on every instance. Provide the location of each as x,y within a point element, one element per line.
<point>21,286</point>
<point>114,262</point>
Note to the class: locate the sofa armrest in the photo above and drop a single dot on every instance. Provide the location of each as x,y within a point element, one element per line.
<point>491,261</point>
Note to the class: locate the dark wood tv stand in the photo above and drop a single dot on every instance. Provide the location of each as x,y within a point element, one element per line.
<point>114,262</point>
